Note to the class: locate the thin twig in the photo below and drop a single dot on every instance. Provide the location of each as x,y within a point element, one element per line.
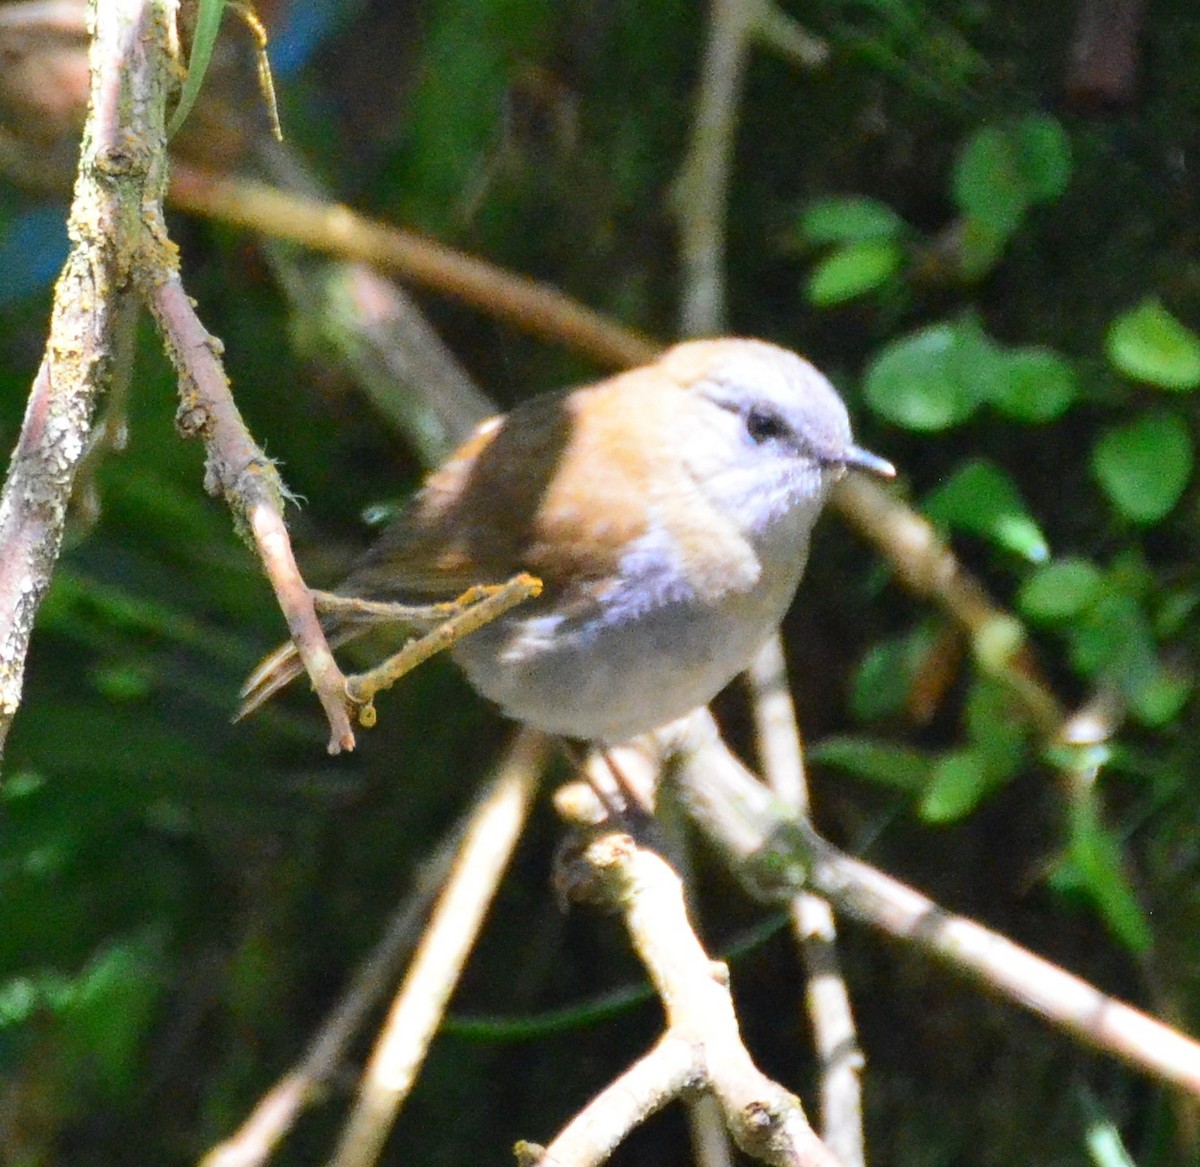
<point>237,468</point>
<point>418,1008</point>
<point>700,193</point>
<point>277,1110</point>
<point>480,606</point>
<point>828,1000</point>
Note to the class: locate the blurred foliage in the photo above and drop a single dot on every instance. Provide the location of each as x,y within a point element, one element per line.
<point>1003,282</point>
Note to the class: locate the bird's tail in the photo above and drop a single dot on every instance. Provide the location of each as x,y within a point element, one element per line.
<point>280,668</point>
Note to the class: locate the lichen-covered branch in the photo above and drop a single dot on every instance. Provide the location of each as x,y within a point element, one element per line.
<point>128,88</point>
<point>120,245</point>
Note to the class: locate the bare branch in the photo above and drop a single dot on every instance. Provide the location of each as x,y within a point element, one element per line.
<point>830,1013</point>
<point>238,469</point>
<point>700,193</point>
<point>778,854</point>
<point>468,614</point>
<point>338,230</point>
<point>276,1112</point>
<point>702,1048</point>
<point>418,1007</point>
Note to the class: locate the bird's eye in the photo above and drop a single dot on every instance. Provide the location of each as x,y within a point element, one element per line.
<point>765,425</point>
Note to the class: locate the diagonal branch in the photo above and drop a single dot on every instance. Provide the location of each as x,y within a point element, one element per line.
<point>701,1050</point>
<point>418,1007</point>
<point>778,854</point>
<point>120,243</point>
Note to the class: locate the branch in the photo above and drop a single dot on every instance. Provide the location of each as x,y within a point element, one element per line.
<point>120,241</point>
<point>1103,61</point>
<point>777,855</point>
<point>830,1013</point>
<point>236,467</point>
<point>421,1001</point>
<point>701,1050</point>
<point>114,175</point>
<point>276,1112</point>
<point>337,230</point>
<point>699,195</point>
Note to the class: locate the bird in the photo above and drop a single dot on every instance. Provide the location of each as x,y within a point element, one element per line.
<point>667,511</point>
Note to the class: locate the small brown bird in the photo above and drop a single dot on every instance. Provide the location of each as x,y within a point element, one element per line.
<point>667,511</point>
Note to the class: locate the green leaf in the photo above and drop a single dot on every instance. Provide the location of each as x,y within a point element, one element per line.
<point>1059,591</point>
<point>958,784</point>
<point>882,762</point>
<point>884,678</point>
<point>1043,151</point>
<point>1144,466</point>
<point>1033,384</point>
<point>980,246</point>
<point>204,38</point>
<point>1111,636</point>
<point>982,498</point>
<point>987,183</point>
<point>1148,344</point>
<point>110,1007</point>
<point>849,220</point>
<point>1002,170</point>
<point>932,379</point>
<point>1095,856</point>
<point>995,729</point>
<point>1159,696</point>
<point>852,270</point>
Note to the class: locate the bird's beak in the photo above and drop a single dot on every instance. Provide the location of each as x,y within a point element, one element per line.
<point>861,459</point>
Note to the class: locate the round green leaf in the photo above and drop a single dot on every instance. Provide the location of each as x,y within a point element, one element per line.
<point>1033,384</point>
<point>922,381</point>
<point>852,270</point>
<point>884,678</point>
<point>1058,591</point>
<point>1160,697</point>
<point>1044,156</point>
<point>958,784</point>
<point>1111,636</point>
<point>981,498</point>
<point>849,220</point>
<point>1002,170</point>
<point>1148,344</point>
<point>980,246</point>
<point>1144,466</point>
<point>988,185</point>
